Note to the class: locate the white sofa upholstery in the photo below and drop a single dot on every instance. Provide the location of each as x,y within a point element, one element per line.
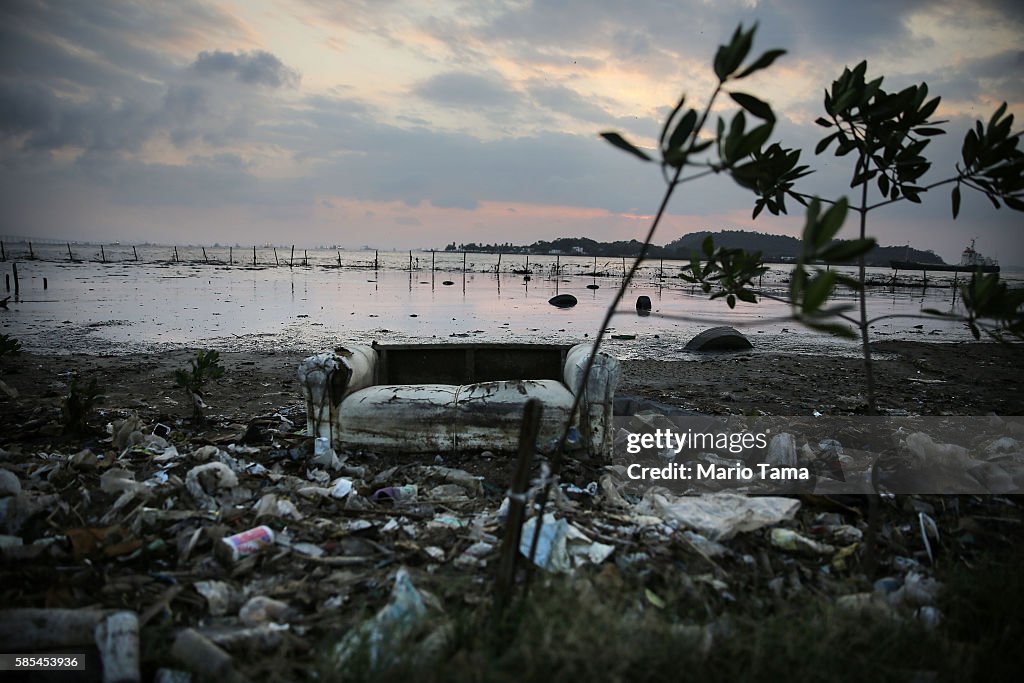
<point>345,403</point>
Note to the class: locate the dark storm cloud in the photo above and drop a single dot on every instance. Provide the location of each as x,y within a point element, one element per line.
<point>255,68</point>
<point>457,89</point>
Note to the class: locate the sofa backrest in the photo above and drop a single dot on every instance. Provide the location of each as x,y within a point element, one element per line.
<point>468,363</point>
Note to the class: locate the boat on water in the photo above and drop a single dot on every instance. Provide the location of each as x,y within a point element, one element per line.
<point>971,261</point>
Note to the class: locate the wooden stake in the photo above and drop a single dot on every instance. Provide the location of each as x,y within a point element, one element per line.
<point>71,257</point>
<point>103,254</point>
<point>497,268</point>
<point>431,260</point>
<point>204,256</point>
<point>3,252</point>
<point>291,259</point>
<point>135,252</point>
<point>558,264</point>
<point>410,260</point>
<point>254,254</point>
<point>275,257</point>
<point>506,577</point>
<point>231,257</point>
<point>623,266</point>
<point>31,254</point>
<point>45,284</point>
<point>305,258</point>
<point>175,254</point>
<point>17,285</point>
<point>375,259</point>
<point>463,262</point>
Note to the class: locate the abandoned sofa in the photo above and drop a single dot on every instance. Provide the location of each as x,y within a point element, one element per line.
<point>456,397</point>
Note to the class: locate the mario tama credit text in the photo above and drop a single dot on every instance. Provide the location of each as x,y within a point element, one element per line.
<point>744,447</point>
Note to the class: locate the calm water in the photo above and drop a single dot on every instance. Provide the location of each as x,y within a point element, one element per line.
<point>156,303</point>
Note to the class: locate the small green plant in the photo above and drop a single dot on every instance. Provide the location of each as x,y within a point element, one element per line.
<point>205,367</point>
<point>79,404</point>
<point>9,345</point>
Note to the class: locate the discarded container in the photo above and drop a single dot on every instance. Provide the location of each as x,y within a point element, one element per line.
<point>787,539</point>
<point>397,494</point>
<point>233,548</point>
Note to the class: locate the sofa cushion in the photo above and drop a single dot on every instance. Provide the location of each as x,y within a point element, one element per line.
<point>490,414</point>
<point>413,417</point>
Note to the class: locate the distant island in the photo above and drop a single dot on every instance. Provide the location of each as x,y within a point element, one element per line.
<point>773,248</point>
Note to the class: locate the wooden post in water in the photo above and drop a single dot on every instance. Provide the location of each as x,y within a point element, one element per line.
<point>595,265</point>
<point>623,266</point>
<point>205,259</point>
<point>662,273</point>
<point>3,252</point>
<point>497,268</point>
<point>410,260</point>
<point>339,258</point>
<point>375,259</point>
<point>305,258</point>
<point>17,285</point>
<point>175,254</point>
<point>463,261</point>
<point>135,252</point>
<point>527,263</point>
<point>254,254</point>
<point>558,265</point>
<point>431,260</point>
<point>71,257</point>
<point>31,254</point>
<point>45,284</point>
<point>103,254</point>
<point>231,256</point>
<point>275,257</point>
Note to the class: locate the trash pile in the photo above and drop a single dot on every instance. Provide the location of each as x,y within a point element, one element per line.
<point>165,557</point>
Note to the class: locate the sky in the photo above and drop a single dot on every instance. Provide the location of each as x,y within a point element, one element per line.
<point>401,124</point>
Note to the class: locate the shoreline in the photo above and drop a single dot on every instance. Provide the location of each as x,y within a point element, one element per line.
<point>917,378</point>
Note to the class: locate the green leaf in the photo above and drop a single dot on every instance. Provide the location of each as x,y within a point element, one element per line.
<point>831,222</point>
<point>837,329</point>
<point>825,142</point>
<point>822,121</point>
<point>928,132</point>
<point>682,130</point>
<point>668,121</point>
<point>817,291</point>
<point>752,141</point>
<point>956,201</point>
<point>755,106</point>
<point>622,143</point>
<point>847,250</point>
<point>762,62</point>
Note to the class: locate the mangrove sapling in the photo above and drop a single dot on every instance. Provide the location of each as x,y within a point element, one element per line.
<point>79,405</point>
<point>731,149</point>
<point>9,346</point>
<point>885,135</point>
<point>205,367</point>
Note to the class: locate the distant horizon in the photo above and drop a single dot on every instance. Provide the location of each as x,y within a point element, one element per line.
<point>19,239</point>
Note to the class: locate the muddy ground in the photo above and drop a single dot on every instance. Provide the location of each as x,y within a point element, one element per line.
<point>920,378</point>
<point>155,554</point>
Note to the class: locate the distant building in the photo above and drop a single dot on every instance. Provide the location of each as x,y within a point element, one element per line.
<point>578,250</point>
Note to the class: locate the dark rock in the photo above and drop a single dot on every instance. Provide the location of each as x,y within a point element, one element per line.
<point>643,303</point>
<point>722,338</point>
<point>563,301</point>
<point>593,286</point>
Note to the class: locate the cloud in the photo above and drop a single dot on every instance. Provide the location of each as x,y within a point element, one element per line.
<point>458,89</point>
<point>255,68</point>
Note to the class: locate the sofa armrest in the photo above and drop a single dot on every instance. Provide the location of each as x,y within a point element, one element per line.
<point>327,378</point>
<point>604,376</point>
